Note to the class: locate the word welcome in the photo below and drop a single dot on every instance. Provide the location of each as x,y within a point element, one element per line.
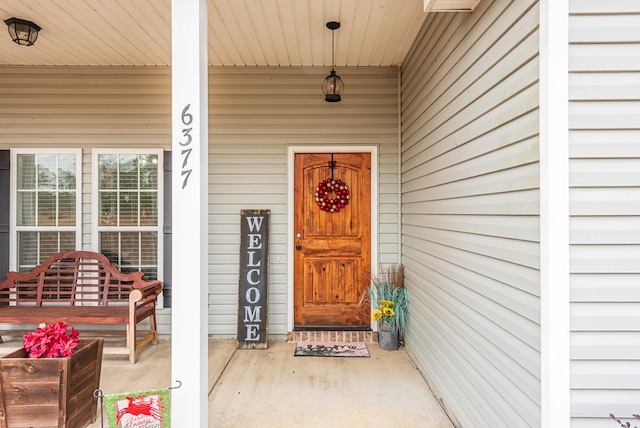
<point>252,293</point>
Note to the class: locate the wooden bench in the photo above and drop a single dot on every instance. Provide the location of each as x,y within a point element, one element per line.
<point>82,287</point>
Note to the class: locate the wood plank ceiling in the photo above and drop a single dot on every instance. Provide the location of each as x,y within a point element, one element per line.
<point>242,33</point>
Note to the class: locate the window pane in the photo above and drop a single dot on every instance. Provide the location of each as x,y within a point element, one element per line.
<point>128,209</point>
<point>48,245</point>
<point>35,247</point>
<point>149,255</point>
<point>149,209</point>
<point>27,251</point>
<point>149,172</point>
<point>107,172</point>
<point>67,208</point>
<point>46,209</point>
<point>26,209</point>
<point>107,208</point>
<point>67,241</point>
<point>67,172</point>
<point>47,171</point>
<point>128,177</point>
<point>109,246</point>
<point>26,172</point>
<point>130,248</point>
<point>132,251</point>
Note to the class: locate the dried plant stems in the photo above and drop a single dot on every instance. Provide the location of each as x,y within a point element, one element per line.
<point>394,275</point>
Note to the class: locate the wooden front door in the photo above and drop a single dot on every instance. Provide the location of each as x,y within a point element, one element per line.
<point>332,254</point>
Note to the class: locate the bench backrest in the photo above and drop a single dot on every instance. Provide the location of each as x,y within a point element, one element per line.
<point>69,279</point>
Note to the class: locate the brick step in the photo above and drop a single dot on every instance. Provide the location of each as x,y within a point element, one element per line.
<point>332,336</point>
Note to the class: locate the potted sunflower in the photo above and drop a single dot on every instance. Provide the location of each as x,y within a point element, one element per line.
<point>387,297</point>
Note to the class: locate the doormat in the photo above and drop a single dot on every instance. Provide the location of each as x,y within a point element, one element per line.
<point>331,349</point>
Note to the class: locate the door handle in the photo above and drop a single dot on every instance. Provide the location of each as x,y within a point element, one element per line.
<point>298,247</point>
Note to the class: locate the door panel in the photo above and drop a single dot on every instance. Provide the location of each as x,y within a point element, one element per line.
<point>332,254</point>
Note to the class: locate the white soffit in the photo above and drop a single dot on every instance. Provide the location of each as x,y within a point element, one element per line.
<point>241,33</point>
<point>450,5</point>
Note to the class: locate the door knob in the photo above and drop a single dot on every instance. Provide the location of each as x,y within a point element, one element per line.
<point>298,247</point>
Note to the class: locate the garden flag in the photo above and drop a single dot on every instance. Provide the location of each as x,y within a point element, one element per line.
<point>144,409</point>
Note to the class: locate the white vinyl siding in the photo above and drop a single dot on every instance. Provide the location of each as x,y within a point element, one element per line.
<point>254,114</point>
<point>87,108</point>
<point>604,61</point>
<point>470,211</point>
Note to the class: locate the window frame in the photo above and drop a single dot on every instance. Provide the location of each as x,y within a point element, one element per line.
<point>13,198</point>
<point>96,228</point>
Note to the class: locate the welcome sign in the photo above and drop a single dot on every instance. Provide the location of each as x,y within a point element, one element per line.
<point>252,292</point>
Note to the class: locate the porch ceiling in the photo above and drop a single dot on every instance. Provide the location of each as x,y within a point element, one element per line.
<point>241,32</point>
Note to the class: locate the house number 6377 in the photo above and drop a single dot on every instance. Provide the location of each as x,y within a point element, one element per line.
<point>186,118</point>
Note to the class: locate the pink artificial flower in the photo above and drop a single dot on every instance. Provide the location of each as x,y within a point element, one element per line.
<point>51,341</point>
<point>66,347</point>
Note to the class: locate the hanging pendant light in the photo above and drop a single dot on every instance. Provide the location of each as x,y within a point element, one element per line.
<point>332,85</point>
<point>22,32</point>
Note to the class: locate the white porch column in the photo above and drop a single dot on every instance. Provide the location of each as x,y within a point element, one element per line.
<point>554,213</point>
<point>189,192</point>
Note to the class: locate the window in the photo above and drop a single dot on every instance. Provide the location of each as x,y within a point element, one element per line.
<point>46,197</point>
<point>128,209</point>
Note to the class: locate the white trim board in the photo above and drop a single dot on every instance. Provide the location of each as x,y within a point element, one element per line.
<point>554,215</point>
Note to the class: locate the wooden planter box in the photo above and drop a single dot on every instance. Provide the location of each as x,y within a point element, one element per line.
<point>50,392</point>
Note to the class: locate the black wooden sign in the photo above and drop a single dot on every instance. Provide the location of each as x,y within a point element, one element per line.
<point>254,267</point>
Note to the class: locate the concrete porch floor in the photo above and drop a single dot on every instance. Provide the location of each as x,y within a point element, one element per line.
<point>272,388</point>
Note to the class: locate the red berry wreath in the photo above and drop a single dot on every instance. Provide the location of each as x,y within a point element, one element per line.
<point>325,198</point>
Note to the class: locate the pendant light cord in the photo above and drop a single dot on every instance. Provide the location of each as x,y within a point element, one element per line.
<point>333,50</point>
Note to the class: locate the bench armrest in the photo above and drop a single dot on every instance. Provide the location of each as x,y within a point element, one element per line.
<point>144,293</point>
<point>149,287</point>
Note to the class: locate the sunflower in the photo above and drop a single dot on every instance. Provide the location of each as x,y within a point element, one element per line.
<point>388,312</point>
<point>384,311</point>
